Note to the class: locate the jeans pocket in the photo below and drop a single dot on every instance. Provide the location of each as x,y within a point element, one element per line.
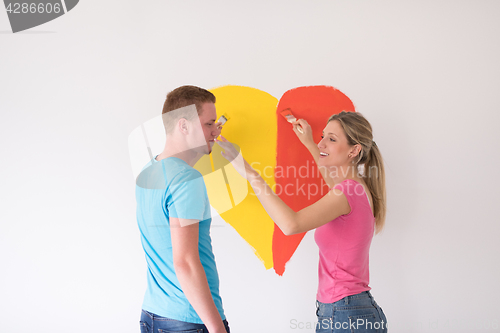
<point>366,323</point>
<point>189,331</point>
<point>144,327</point>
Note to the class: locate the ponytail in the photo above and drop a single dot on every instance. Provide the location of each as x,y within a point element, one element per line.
<point>374,177</point>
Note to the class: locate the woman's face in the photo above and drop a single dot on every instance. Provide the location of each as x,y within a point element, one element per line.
<point>334,148</point>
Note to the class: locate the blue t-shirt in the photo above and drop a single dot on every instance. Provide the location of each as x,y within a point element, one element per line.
<point>172,188</point>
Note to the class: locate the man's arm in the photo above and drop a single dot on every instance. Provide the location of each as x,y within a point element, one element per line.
<point>191,274</point>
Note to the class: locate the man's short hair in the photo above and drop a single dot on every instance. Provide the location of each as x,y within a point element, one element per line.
<point>187,95</point>
<point>181,97</point>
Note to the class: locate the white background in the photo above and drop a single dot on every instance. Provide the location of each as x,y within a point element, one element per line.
<point>425,73</point>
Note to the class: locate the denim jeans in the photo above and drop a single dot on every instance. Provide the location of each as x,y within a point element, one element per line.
<point>151,323</point>
<point>356,313</point>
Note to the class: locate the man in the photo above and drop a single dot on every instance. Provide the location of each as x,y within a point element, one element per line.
<point>173,214</point>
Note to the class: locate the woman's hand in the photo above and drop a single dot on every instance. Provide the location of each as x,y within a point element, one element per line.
<point>233,156</point>
<point>305,136</point>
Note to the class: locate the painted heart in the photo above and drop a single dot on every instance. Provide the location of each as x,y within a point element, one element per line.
<point>269,144</point>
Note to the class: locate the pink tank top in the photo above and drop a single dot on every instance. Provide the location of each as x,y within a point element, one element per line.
<point>344,245</point>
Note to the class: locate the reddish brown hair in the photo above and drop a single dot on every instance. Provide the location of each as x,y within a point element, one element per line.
<point>187,95</point>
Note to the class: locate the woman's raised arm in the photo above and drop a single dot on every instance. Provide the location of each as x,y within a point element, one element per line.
<point>307,140</point>
<point>331,206</point>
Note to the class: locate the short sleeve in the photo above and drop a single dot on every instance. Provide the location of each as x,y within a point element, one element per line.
<point>187,197</point>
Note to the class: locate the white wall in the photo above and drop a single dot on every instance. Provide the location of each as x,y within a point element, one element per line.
<point>425,73</point>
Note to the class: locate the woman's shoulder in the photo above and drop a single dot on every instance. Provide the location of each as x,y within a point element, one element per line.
<point>352,187</point>
<point>350,184</point>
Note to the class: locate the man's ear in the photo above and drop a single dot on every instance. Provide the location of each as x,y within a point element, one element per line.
<point>183,125</point>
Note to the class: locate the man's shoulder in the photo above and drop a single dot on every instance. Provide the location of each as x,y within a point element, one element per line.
<point>185,172</point>
<point>166,173</point>
<point>183,175</point>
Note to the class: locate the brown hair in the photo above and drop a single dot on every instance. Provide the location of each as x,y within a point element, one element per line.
<point>187,95</point>
<point>359,132</point>
<point>181,97</point>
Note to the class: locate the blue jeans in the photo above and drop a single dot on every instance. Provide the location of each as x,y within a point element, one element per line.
<point>356,313</point>
<point>151,323</point>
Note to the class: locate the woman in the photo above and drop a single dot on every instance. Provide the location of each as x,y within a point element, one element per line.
<point>345,219</point>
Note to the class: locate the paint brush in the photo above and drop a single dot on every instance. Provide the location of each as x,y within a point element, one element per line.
<point>287,114</point>
<point>223,119</point>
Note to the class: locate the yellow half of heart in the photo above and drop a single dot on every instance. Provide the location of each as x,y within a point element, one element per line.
<point>252,126</point>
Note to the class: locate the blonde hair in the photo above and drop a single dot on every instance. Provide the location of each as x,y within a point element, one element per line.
<point>359,132</point>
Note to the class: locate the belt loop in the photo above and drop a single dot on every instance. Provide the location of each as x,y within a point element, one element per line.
<point>346,300</point>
